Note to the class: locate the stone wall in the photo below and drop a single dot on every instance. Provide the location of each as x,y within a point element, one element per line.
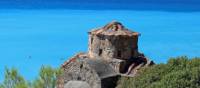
<point>106,46</point>
<point>80,71</point>
<point>77,84</point>
<point>118,65</point>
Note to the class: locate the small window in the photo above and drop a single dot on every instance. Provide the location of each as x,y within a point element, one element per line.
<point>91,40</point>
<point>102,38</point>
<point>78,78</point>
<point>133,52</point>
<point>119,53</point>
<point>100,52</point>
<point>81,66</point>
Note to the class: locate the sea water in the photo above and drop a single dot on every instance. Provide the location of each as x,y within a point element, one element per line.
<point>32,38</point>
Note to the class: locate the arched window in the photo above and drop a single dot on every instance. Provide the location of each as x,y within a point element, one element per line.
<point>100,52</point>
<point>119,54</point>
<point>91,40</point>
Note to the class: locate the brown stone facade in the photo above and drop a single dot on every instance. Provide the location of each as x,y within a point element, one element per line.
<point>113,41</point>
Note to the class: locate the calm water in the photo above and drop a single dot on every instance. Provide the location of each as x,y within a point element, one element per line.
<point>31,38</point>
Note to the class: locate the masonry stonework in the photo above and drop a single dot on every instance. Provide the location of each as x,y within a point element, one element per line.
<point>113,41</point>
<point>112,53</point>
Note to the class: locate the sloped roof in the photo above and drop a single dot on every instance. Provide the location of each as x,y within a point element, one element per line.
<point>102,68</point>
<point>114,28</point>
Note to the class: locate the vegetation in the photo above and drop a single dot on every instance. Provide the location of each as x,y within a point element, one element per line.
<point>13,79</point>
<point>180,72</point>
<point>46,79</point>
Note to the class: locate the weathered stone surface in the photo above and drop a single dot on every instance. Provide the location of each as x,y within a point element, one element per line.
<point>91,71</point>
<point>80,70</point>
<point>77,84</point>
<point>102,68</point>
<point>113,42</point>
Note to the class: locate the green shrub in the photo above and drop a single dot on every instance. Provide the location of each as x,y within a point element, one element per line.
<point>46,79</point>
<point>13,79</point>
<point>180,72</point>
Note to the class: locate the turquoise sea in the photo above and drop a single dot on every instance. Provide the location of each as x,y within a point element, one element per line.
<point>31,38</point>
